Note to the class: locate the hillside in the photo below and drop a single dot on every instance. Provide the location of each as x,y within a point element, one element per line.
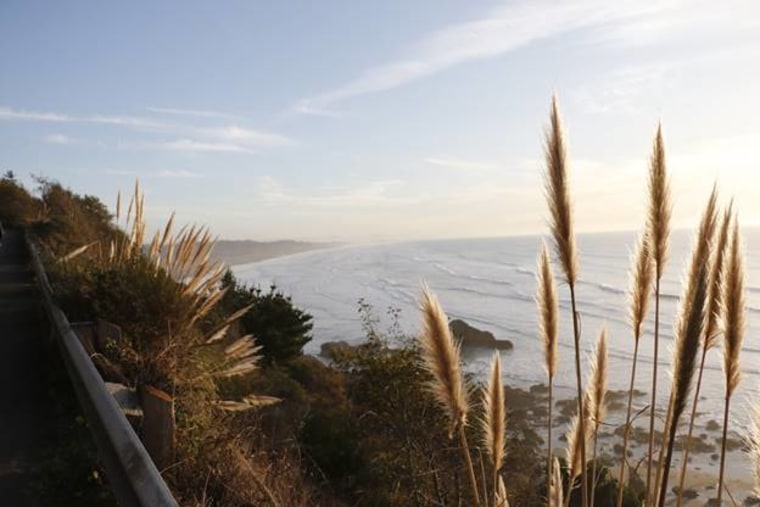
<point>243,252</point>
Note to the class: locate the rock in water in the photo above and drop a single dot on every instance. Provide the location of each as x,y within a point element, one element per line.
<point>332,350</point>
<point>474,337</point>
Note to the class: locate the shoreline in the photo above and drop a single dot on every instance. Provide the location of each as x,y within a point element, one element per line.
<point>530,404</point>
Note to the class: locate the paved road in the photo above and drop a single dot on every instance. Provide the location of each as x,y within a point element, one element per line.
<point>27,416</point>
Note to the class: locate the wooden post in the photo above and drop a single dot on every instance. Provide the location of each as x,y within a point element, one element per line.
<point>158,425</point>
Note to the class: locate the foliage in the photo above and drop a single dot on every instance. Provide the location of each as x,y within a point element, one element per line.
<point>18,208</point>
<point>279,327</point>
<point>145,304</point>
<point>69,220</point>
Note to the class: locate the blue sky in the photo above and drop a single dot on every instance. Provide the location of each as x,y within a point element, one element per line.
<point>383,120</point>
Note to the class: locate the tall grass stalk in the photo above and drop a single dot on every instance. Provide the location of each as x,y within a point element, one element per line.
<point>493,423</point>
<point>548,310</point>
<point>577,437</point>
<point>733,333</point>
<point>555,485</point>
<point>658,230</point>
<point>711,334</point>
<point>641,285</point>
<point>688,331</point>
<point>442,359</point>
<point>561,224</point>
<point>596,391</point>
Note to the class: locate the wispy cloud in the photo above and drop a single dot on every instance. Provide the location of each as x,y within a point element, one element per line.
<point>247,137</point>
<point>20,115</point>
<point>187,145</point>
<point>503,30</point>
<point>621,90</point>
<point>58,139</point>
<point>138,123</point>
<point>459,164</point>
<point>177,174</point>
<point>307,108</point>
<point>200,113</point>
<point>695,22</point>
<point>189,137</point>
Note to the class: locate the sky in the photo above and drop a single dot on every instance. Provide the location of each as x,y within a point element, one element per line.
<point>375,121</point>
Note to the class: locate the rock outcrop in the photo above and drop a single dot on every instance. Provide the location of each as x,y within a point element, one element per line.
<point>473,337</point>
<point>331,350</point>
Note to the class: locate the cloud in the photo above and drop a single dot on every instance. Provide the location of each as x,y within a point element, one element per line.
<point>505,29</point>
<point>304,107</point>
<point>181,174</point>
<point>14,114</point>
<point>621,90</point>
<point>459,164</point>
<point>226,138</point>
<point>58,139</point>
<point>133,122</point>
<point>247,137</point>
<point>200,113</point>
<point>695,22</point>
<point>188,145</point>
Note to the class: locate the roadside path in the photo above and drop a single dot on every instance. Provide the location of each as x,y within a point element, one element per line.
<point>27,414</point>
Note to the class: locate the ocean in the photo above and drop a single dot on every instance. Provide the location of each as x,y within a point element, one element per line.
<point>490,284</point>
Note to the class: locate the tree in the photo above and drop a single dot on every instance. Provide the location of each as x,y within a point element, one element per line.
<point>17,206</point>
<point>279,327</point>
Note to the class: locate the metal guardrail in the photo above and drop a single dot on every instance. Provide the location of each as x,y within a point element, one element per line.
<point>133,476</point>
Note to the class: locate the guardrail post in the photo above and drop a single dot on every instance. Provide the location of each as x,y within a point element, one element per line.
<point>158,425</point>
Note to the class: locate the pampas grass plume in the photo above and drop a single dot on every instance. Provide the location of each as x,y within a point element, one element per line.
<point>442,358</point>
<point>558,195</point>
<point>493,423</point>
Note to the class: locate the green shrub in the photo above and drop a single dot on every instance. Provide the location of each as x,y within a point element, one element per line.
<point>279,327</point>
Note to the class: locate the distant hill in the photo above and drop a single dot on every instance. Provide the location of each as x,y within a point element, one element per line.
<point>244,252</point>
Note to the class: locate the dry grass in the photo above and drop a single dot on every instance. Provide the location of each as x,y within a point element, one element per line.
<point>641,286</point>
<point>715,296</point>
<point>660,207</point>
<point>733,312</point>
<point>442,359</point>
<point>555,485</point>
<point>577,437</point>
<point>561,224</point>
<point>688,331</point>
<point>548,318</point>
<point>733,333</point>
<point>494,421</point>
<point>548,311</point>
<point>558,195</point>
<point>713,314</point>
<point>658,232</point>
<point>596,391</point>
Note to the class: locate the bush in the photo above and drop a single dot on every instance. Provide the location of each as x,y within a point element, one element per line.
<point>18,208</point>
<point>279,327</point>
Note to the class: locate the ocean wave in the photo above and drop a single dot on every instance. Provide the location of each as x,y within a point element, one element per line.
<point>525,271</point>
<point>444,269</point>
